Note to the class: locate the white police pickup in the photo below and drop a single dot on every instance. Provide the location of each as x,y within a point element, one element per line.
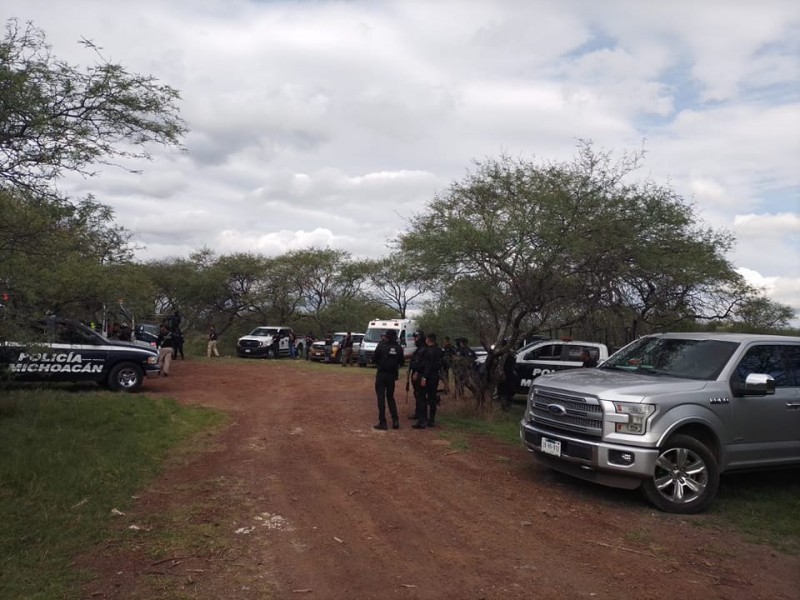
<point>65,350</point>
<point>259,342</point>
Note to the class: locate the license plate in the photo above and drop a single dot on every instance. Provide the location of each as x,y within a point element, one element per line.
<point>247,350</point>
<point>551,447</point>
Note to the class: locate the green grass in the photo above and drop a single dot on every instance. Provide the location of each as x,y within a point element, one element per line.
<point>68,458</point>
<point>503,426</point>
<point>764,507</point>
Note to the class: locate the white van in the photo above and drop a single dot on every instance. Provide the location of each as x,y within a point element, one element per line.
<point>405,329</point>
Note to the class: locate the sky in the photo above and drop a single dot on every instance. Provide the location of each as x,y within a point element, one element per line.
<point>330,124</point>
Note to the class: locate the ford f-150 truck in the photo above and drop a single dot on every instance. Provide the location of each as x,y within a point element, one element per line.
<point>669,413</point>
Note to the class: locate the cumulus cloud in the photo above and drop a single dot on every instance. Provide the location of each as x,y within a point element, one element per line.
<point>329,123</point>
<point>759,226</point>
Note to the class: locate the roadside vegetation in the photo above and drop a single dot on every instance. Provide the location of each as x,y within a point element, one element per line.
<point>70,461</point>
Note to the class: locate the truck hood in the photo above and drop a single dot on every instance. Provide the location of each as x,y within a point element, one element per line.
<point>614,385</point>
<point>256,338</point>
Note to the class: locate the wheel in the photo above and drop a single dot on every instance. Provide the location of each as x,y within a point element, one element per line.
<point>686,477</point>
<point>125,377</point>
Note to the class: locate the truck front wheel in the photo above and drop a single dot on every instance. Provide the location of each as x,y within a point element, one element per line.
<point>686,477</point>
<point>126,377</point>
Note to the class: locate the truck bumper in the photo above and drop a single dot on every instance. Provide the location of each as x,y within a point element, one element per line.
<point>613,465</point>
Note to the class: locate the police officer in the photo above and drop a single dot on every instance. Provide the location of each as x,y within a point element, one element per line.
<point>388,358</point>
<point>429,367</point>
<point>509,380</point>
<point>413,373</point>
<point>449,353</point>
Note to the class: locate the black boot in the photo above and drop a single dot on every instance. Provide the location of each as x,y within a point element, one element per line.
<point>395,424</point>
<point>418,425</point>
<point>382,426</point>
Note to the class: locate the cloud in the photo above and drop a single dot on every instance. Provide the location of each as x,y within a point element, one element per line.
<point>330,123</point>
<point>759,226</point>
<point>784,290</point>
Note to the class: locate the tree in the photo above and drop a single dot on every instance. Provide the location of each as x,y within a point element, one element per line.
<point>546,246</point>
<point>758,313</point>
<point>59,254</point>
<point>323,278</point>
<point>57,117</point>
<point>395,284</point>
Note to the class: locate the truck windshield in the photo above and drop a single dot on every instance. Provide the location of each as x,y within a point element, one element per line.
<point>686,358</point>
<point>264,331</point>
<point>374,335</point>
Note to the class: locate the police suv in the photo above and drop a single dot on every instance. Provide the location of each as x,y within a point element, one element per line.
<point>64,350</point>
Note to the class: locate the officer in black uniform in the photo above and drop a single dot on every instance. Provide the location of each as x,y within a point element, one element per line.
<point>413,369</point>
<point>430,366</point>
<point>388,358</point>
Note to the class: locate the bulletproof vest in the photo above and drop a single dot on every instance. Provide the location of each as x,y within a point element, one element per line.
<point>390,360</point>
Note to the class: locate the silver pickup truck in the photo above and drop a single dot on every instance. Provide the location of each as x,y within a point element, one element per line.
<point>669,413</point>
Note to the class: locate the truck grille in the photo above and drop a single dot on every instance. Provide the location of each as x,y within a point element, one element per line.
<point>249,343</point>
<point>580,415</point>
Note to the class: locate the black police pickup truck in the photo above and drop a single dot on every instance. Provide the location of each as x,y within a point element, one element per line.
<point>60,350</point>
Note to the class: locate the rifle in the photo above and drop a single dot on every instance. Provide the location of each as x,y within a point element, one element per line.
<point>408,382</point>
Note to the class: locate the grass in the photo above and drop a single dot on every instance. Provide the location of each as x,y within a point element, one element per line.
<point>764,507</point>
<point>69,458</point>
<point>500,425</point>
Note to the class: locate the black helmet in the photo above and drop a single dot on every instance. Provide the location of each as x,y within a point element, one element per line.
<point>391,334</point>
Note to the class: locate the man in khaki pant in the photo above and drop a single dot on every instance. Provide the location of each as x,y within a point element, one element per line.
<point>165,346</point>
<point>211,350</point>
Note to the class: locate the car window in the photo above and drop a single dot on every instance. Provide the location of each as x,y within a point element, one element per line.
<point>546,352</point>
<point>263,331</point>
<point>793,364</point>
<point>573,353</point>
<point>68,333</point>
<point>767,358</point>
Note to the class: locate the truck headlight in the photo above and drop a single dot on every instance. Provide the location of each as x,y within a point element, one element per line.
<point>152,360</point>
<point>637,415</point>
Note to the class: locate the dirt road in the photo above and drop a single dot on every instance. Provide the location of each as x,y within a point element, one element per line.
<point>301,497</point>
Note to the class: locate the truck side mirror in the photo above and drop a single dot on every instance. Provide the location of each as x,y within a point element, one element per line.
<point>759,384</point>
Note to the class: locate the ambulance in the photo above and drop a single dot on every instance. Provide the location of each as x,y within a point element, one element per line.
<point>405,329</point>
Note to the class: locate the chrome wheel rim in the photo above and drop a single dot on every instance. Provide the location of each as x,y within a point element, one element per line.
<point>127,378</point>
<point>681,475</point>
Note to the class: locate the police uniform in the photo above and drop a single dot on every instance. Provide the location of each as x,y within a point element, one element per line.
<point>388,358</point>
<point>429,367</point>
<point>413,373</point>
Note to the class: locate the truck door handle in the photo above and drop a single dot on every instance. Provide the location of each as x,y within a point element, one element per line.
<point>793,405</point>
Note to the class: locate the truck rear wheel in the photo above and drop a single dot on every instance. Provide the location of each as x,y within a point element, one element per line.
<point>686,477</point>
<point>125,377</point>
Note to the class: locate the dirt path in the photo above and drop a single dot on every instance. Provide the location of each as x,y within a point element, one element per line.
<point>307,500</point>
